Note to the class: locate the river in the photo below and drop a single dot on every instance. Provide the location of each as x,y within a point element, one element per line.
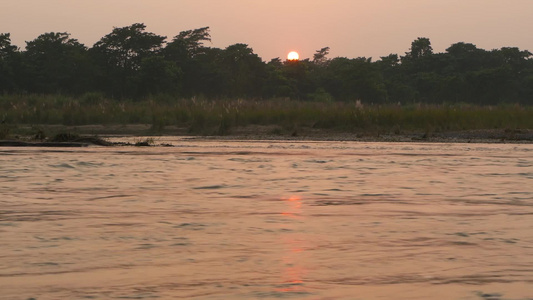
<point>210,219</point>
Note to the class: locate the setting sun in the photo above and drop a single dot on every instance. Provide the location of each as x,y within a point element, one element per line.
<point>293,55</point>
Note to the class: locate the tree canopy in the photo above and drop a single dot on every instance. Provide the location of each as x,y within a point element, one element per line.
<point>130,62</point>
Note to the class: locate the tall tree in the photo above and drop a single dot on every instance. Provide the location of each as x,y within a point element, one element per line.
<point>157,76</point>
<point>188,44</point>
<point>125,47</point>
<point>245,71</point>
<point>355,79</point>
<point>8,67</point>
<point>319,58</point>
<point>300,79</point>
<point>6,48</point>
<point>419,48</point>
<point>55,63</point>
<point>276,83</point>
<point>196,61</point>
<point>120,55</point>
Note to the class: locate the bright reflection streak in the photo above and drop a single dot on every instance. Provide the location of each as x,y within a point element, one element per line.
<point>293,272</point>
<point>295,207</point>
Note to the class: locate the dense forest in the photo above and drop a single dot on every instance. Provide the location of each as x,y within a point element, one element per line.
<point>131,63</point>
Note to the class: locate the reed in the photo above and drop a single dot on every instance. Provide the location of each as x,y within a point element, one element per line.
<point>202,116</point>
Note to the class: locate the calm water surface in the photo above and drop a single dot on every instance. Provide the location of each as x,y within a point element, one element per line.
<point>267,220</point>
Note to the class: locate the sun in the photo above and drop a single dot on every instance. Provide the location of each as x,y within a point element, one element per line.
<point>293,55</point>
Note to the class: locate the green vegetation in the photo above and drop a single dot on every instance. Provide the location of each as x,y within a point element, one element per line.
<point>131,76</point>
<point>130,63</point>
<point>219,117</point>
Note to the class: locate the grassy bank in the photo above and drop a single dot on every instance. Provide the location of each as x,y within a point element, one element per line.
<point>206,117</point>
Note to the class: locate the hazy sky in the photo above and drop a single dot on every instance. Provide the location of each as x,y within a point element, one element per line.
<point>351,28</point>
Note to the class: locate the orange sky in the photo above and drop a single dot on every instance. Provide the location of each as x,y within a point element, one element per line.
<point>351,28</point>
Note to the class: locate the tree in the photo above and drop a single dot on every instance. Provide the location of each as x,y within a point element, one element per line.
<point>299,76</point>
<point>6,48</point>
<point>196,61</point>
<point>319,58</point>
<point>245,70</point>
<point>355,79</point>
<point>514,72</point>
<point>157,75</point>
<point>125,47</point>
<point>419,48</point>
<point>398,88</point>
<point>391,60</point>
<point>8,66</point>
<point>120,54</point>
<point>461,49</point>
<point>55,63</point>
<point>187,44</point>
<point>276,83</point>
<point>514,57</point>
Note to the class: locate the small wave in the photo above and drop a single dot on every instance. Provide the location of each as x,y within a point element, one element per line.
<point>210,187</point>
<point>63,165</point>
<point>89,164</point>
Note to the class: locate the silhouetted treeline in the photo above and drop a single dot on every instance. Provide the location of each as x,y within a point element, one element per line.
<point>132,63</point>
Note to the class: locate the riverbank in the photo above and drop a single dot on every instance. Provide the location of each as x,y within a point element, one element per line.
<point>46,135</point>
<point>266,119</point>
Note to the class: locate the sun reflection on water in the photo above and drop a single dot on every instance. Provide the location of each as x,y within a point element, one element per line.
<point>293,242</point>
<point>294,207</point>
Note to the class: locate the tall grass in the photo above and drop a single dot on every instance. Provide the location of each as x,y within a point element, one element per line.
<point>218,117</point>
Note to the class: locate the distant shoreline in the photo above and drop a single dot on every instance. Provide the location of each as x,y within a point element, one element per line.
<point>256,132</point>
